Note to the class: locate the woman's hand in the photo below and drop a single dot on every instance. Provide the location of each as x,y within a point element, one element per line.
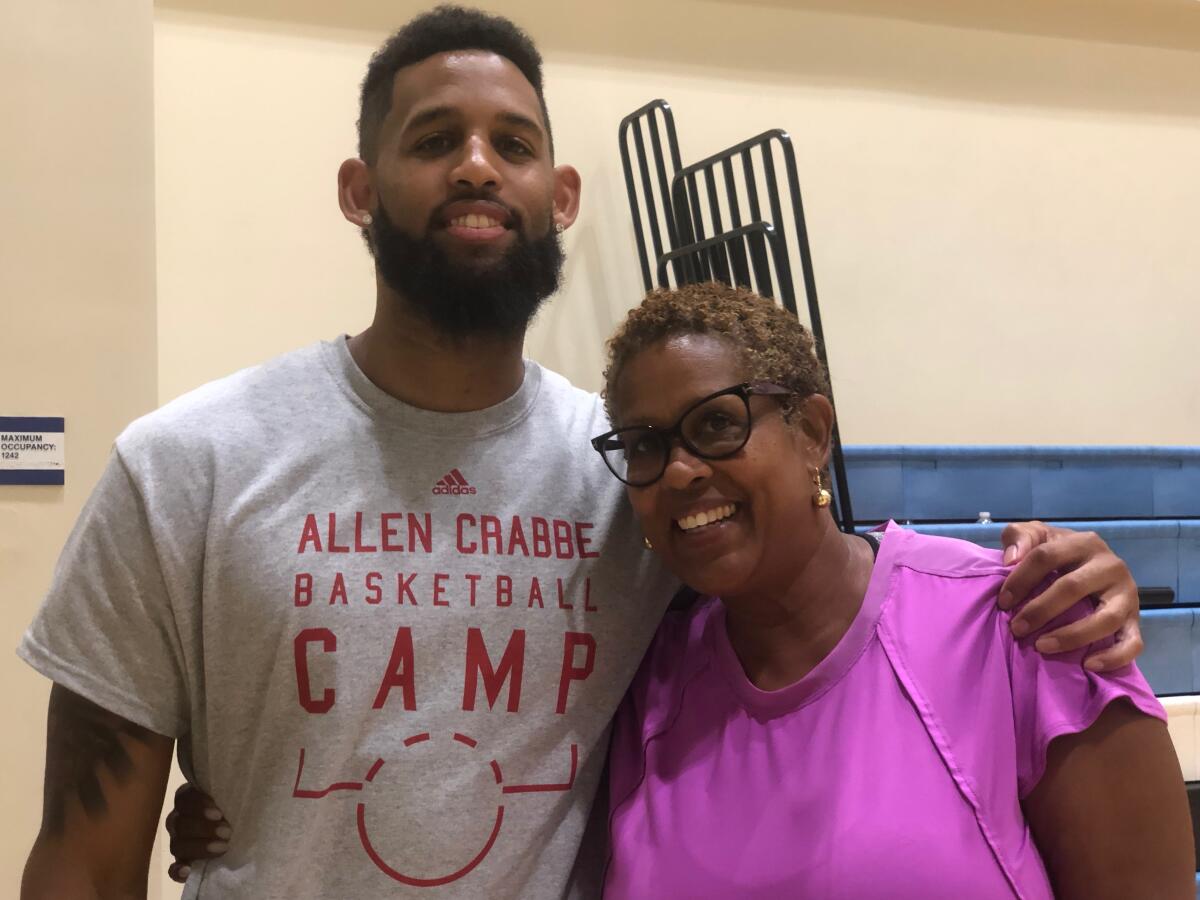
<point>198,830</point>
<point>1087,567</point>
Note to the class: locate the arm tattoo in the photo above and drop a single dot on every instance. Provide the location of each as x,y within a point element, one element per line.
<point>81,738</point>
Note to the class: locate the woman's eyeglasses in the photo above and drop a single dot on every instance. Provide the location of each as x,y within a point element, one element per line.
<point>714,427</point>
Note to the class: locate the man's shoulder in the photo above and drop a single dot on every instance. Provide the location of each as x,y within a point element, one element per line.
<point>573,403</point>
<point>227,406</point>
<point>562,390</point>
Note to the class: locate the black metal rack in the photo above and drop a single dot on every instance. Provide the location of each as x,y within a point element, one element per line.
<point>683,211</point>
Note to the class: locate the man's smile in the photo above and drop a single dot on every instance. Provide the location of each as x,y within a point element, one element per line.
<point>476,221</point>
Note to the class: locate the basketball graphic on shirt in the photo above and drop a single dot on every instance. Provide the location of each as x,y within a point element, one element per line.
<point>455,814</point>
<point>459,798</point>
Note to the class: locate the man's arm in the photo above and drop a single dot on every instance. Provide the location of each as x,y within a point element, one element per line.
<point>104,785</point>
<point>1110,815</point>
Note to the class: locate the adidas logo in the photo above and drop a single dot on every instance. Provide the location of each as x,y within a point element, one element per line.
<point>453,483</point>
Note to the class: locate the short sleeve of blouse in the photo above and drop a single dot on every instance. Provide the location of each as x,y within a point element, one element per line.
<point>1056,695</point>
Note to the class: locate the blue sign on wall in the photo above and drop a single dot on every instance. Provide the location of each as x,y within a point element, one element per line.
<point>32,450</point>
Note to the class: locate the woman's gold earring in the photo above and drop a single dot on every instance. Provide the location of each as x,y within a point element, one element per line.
<point>646,541</point>
<point>821,497</point>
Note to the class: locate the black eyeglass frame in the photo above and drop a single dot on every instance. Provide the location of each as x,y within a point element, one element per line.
<point>745,391</point>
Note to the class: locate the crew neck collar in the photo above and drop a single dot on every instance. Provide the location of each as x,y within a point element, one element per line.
<point>382,405</point>
<point>833,667</point>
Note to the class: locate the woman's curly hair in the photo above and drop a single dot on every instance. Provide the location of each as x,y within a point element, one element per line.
<point>771,342</point>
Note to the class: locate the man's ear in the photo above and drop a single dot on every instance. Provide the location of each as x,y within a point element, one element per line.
<point>356,195</point>
<point>816,426</point>
<point>566,195</point>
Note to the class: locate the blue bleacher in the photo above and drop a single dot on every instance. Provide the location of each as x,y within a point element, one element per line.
<point>1171,662</point>
<point>945,483</point>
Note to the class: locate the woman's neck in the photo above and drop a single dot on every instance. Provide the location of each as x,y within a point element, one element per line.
<point>783,631</point>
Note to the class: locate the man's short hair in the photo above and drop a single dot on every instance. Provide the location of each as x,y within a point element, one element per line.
<point>441,30</point>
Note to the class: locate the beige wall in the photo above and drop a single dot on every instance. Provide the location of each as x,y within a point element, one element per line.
<point>76,309</point>
<point>1003,207</point>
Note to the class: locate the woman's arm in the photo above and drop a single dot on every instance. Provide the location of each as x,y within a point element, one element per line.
<point>1110,814</point>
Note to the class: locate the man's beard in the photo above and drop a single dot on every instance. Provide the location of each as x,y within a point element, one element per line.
<point>462,300</point>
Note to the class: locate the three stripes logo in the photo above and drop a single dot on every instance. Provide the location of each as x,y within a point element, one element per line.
<point>453,483</point>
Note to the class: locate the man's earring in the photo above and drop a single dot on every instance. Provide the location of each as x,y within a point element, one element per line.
<point>646,541</point>
<point>558,229</point>
<point>821,496</point>
<point>367,220</point>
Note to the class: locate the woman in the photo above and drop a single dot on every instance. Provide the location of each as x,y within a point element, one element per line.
<point>852,718</point>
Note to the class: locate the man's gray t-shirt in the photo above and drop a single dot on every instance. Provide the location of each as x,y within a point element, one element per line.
<point>388,640</point>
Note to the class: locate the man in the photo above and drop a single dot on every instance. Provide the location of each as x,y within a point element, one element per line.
<point>378,589</point>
